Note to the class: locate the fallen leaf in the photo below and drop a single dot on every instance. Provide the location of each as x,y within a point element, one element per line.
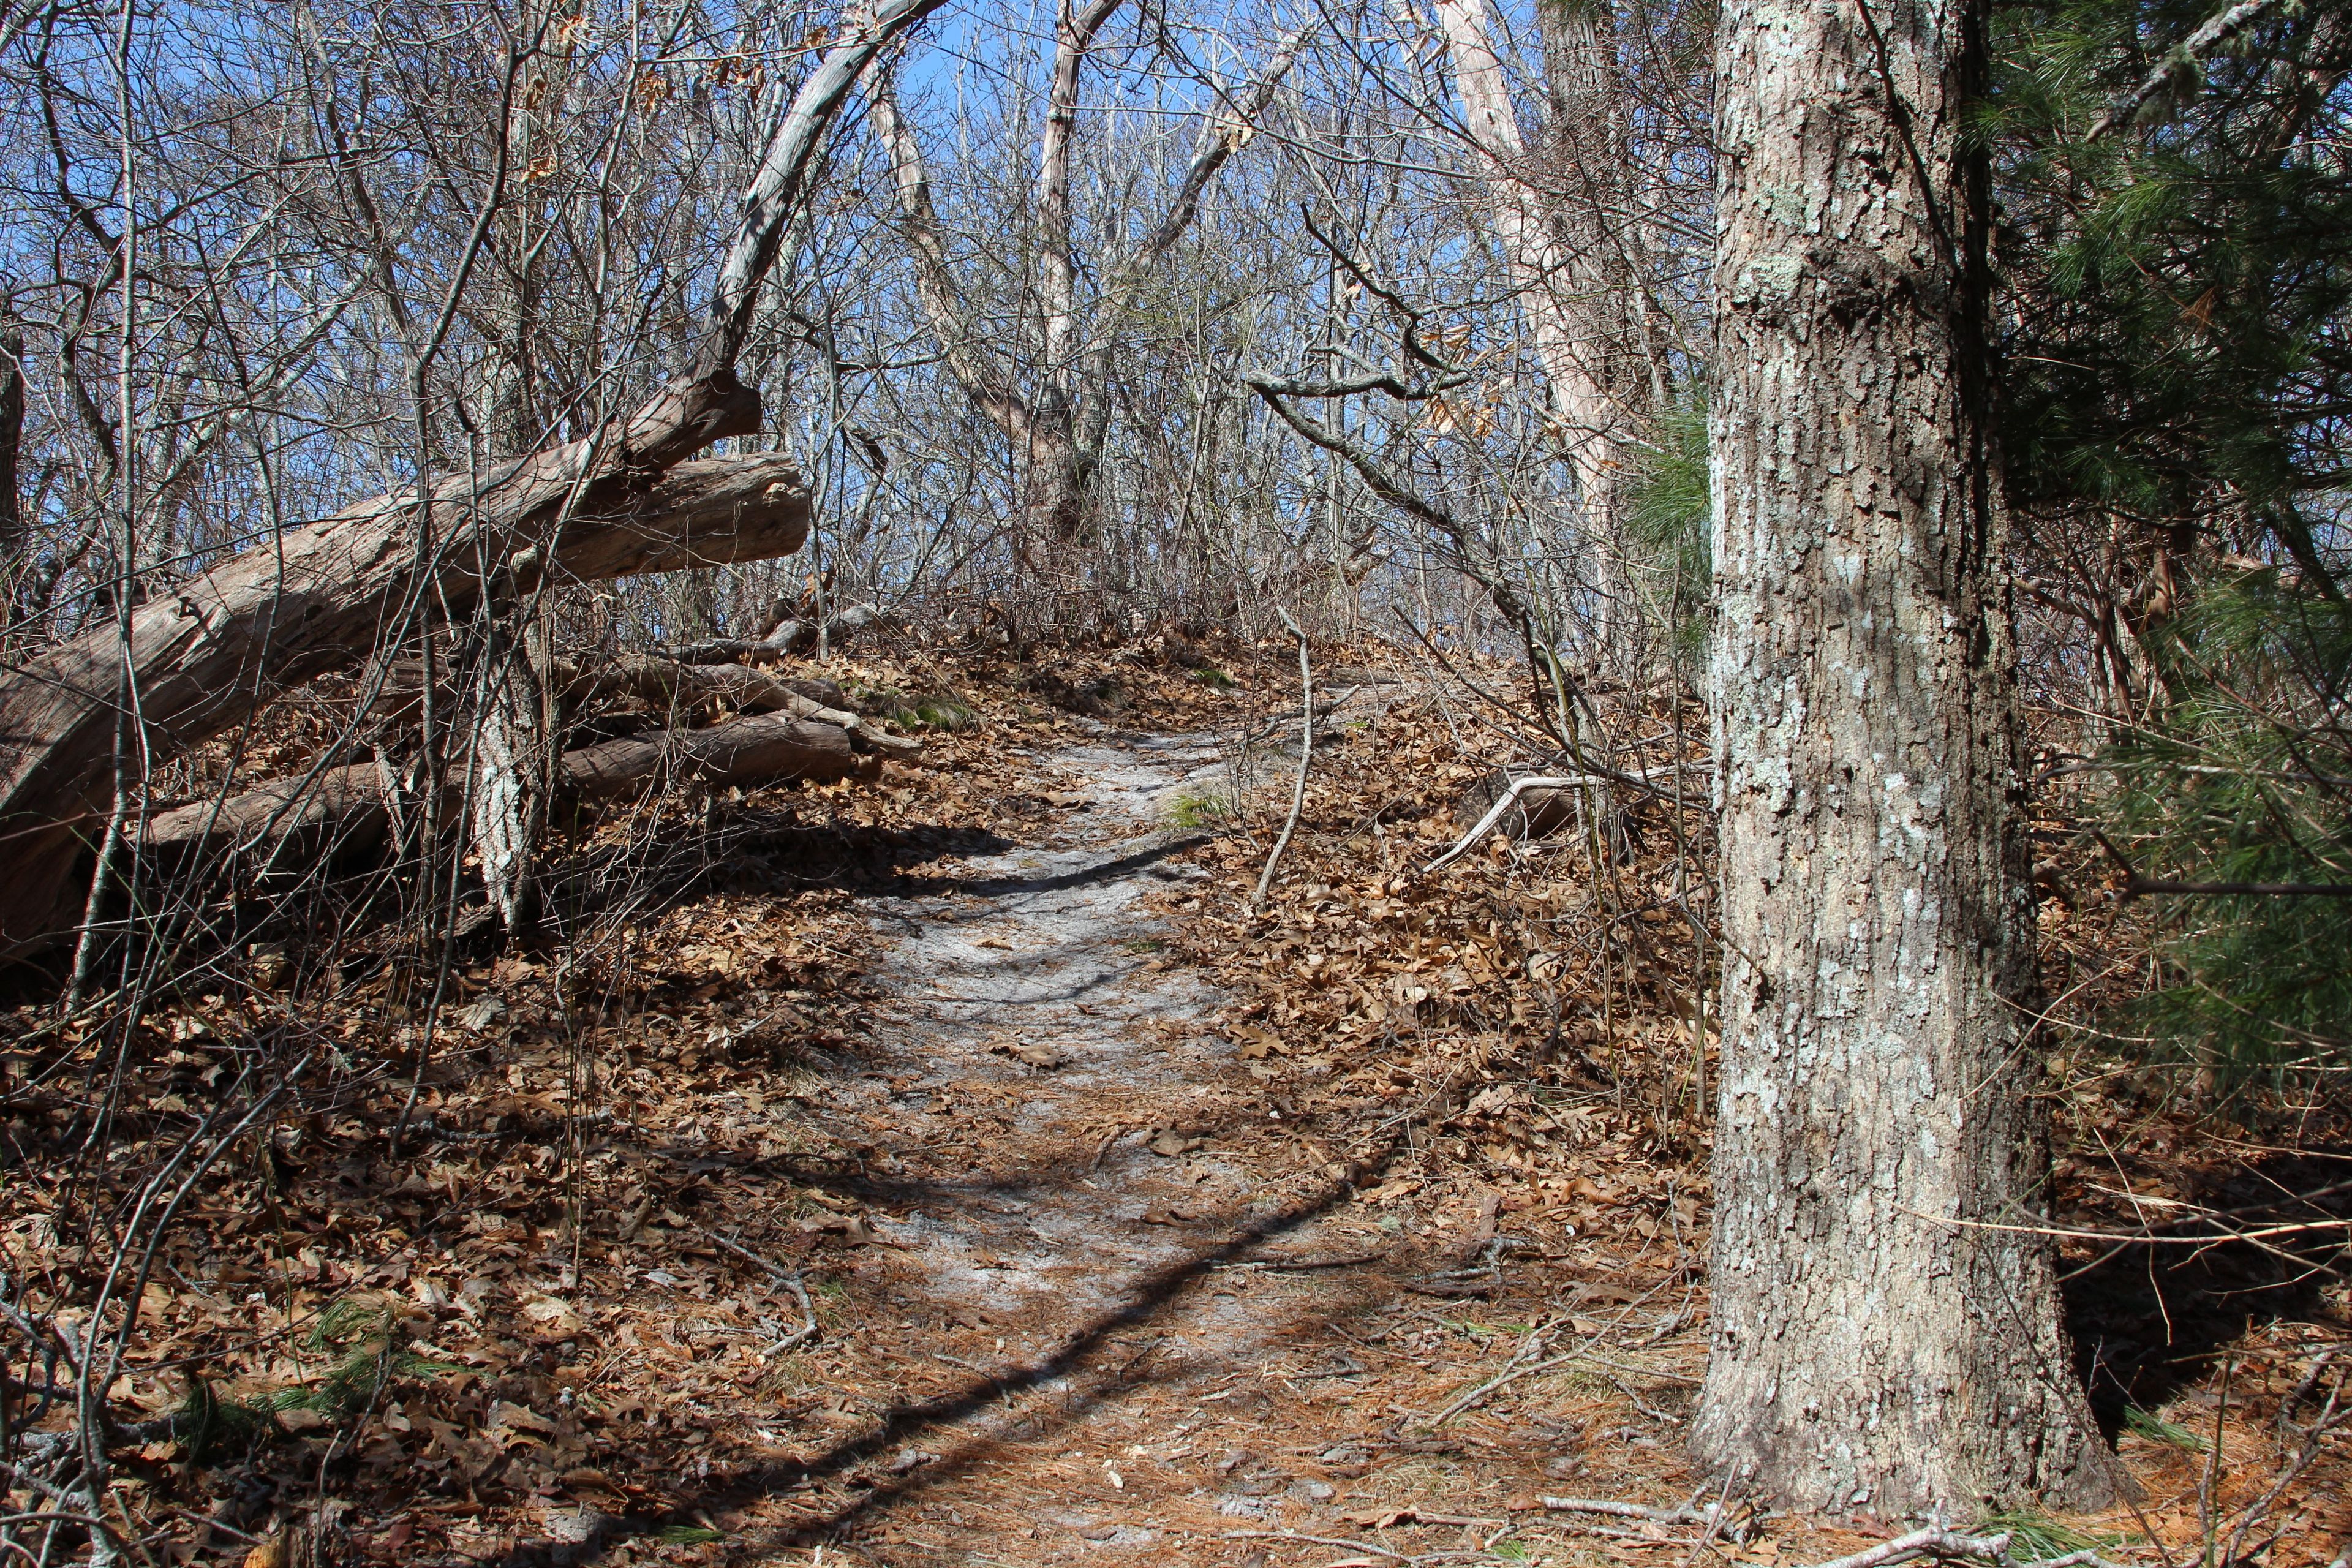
<point>1380,1517</point>
<point>555,1317</point>
<point>514,1417</point>
<point>1255,1042</point>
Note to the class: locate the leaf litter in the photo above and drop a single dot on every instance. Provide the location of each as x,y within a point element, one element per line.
<point>957,1171</point>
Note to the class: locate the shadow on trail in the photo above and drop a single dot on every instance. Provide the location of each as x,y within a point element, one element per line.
<point>1082,1350</point>
<point>1085,877</point>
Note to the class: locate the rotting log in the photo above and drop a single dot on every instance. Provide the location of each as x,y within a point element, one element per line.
<point>204,657</point>
<point>768,747</point>
<point>663,682</point>
<point>304,821</point>
<point>340,812</point>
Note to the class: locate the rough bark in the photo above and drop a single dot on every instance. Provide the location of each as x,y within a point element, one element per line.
<point>1880,1339</point>
<point>206,657</point>
<point>302,823</point>
<point>506,785</point>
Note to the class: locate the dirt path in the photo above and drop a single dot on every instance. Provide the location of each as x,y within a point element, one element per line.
<point>1097,1219</point>
<point>1128,1316</point>
<point>1114,1303</point>
<point>1036,986</point>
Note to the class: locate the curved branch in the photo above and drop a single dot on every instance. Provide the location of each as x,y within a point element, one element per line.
<point>983,374</point>
<point>2181,62</point>
<point>775,192</point>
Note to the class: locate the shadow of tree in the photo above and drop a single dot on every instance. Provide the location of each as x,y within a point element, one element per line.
<point>1086,1356</point>
<point>2150,1316</point>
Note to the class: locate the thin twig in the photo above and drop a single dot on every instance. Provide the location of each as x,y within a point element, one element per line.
<point>2216,30</point>
<point>1510,1374</point>
<point>790,1281</point>
<point>1943,1544</point>
<point>1306,756</point>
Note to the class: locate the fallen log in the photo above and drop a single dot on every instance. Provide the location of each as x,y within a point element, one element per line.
<point>306,822</point>
<point>666,682</point>
<point>201,659</point>
<point>204,657</point>
<point>788,638</point>
<point>303,824</point>
<point>769,748</point>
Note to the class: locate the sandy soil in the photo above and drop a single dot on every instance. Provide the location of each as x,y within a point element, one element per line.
<point>1176,1341</point>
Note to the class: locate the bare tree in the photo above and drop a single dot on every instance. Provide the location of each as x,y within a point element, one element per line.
<point>1558,252</point>
<point>198,661</point>
<point>1058,421</point>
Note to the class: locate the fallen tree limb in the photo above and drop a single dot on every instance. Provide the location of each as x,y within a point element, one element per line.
<point>789,637</point>
<point>349,810</point>
<point>1305,761</point>
<point>1944,1545</point>
<point>1541,785</point>
<point>747,690</point>
<point>199,660</point>
<point>208,656</point>
<point>769,748</point>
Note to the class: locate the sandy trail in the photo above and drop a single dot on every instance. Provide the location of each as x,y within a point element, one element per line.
<point>1038,978</point>
<point>1089,1183</point>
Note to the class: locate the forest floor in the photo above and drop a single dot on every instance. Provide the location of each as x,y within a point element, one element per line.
<point>962,1172</point>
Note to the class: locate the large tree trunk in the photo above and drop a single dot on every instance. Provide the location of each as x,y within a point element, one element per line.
<point>207,656</point>
<point>1885,1323</point>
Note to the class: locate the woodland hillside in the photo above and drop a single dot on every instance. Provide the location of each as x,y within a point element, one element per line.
<point>935,782</point>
